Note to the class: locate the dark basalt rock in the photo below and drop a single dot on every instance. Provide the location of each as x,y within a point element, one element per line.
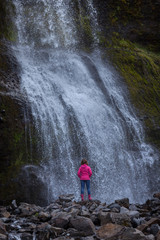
<point>53,222</point>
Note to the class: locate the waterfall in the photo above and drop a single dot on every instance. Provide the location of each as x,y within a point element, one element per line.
<point>80,106</point>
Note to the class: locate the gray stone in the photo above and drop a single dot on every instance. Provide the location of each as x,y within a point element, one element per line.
<point>114,205</point>
<point>133,214</point>
<point>72,232</point>
<point>143,227</point>
<point>26,236</point>
<point>117,218</point>
<point>85,213</point>
<point>28,209</point>
<point>154,229</point>
<point>14,204</point>
<point>133,207</point>
<point>132,234</point>
<point>137,221</point>
<point>66,197</point>
<point>2,228</point>
<point>83,224</point>
<point>44,217</point>
<point>56,231</point>
<point>150,237</point>
<point>110,231</point>
<point>124,210</point>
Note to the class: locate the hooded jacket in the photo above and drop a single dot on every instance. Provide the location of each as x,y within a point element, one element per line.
<point>84,172</point>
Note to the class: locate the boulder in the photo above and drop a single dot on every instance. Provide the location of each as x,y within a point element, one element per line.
<point>123,202</point>
<point>114,206</point>
<point>85,213</point>
<point>83,224</point>
<point>28,209</point>
<point>137,221</point>
<point>61,219</point>
<point>143,227</point>
<point>60,222</point>
<point>150,237</point>
<point>14,205</point>
<point>4,213</point>
<point>117,218</point>
<point>133,207</point>
<point>66,197</point>
<point>132,234</point>
<point>26,236</point>
<point>55,232</point>
<point>72,232</point>
<point>44,217</point>
<point>156,195</point>
<point>124,210</point>
<point>154,229</point>
<point>109,231</point>
<point>3,237</point>
<point>44,235</point>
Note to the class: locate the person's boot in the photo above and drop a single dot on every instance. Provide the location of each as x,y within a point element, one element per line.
<point>82,197</point>
<point>89,197</point>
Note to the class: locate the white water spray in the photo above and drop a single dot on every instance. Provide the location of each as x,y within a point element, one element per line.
<point>80,107</point>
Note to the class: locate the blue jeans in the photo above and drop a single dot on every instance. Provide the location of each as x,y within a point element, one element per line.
<point>87,182</point>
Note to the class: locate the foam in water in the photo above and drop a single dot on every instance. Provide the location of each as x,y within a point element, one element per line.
<point>80,108</point>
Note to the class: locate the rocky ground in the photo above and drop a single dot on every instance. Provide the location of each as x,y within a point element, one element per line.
<point>87,220</point>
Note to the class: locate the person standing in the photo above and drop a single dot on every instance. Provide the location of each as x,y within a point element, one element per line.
<point>84,173</point>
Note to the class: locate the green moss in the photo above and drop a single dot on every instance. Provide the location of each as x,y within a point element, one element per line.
<point>7,27</point>
<point>85,23</point>
<point>84,27</point>
<point>141,70</point>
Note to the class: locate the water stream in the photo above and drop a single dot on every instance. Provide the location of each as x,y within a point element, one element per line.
<point>80,106</point>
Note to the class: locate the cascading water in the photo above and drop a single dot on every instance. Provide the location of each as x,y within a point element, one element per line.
<point>79,105</point>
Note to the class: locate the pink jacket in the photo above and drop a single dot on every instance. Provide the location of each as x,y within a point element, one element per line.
<point>84,172</point>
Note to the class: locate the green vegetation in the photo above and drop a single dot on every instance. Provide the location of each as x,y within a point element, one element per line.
<point>86,26</point>
<point>141,70</point>
<point>7,27</point>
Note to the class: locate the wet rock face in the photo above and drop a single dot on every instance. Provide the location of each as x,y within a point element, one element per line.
<point>137,21</point>
<point>13,120</point>
<point>64,219</point>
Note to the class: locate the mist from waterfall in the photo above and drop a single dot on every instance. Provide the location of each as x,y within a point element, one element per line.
<point>80,106</point>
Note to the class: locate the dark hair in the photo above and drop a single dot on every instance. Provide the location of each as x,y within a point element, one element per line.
<point>84,161</point>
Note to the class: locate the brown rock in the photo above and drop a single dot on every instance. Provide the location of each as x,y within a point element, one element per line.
<point>143,227</point>
<point>117,218</point>
<point>156,195</point>
<point>132,234</point>
<point>83,224</point>
<point>110,231</point>
<point>28,209</point>
<point>43,216</point>
<point>4,213</point>
<point>3,237</point>
<point>60,222</point>
<point>123,202</point>
<point>57,231</point>
<point>66,197</point>
<point>43,227</point>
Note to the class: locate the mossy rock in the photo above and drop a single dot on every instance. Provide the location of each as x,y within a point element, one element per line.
<point>141,70</point>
